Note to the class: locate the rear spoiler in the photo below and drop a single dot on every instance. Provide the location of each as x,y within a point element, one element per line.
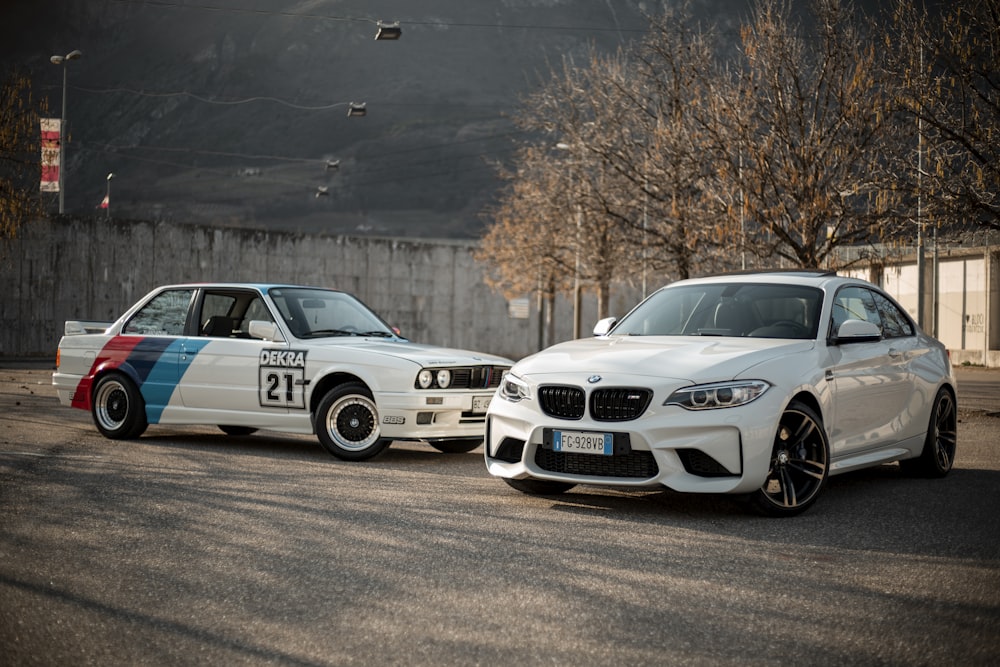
<point>79,327</point>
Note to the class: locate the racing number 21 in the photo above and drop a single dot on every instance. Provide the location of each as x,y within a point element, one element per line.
<point>282,387</point>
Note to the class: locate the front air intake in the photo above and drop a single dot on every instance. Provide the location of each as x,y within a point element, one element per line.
<point>619,404</point>
<point>562,402</point>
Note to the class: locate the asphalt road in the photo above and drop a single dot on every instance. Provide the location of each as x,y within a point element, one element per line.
<point>191,547</point>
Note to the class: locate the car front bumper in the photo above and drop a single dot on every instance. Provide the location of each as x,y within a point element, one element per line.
<point>433,415</point>
<point>725,450</point>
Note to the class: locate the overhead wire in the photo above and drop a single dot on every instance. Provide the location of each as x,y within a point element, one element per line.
<point>408,22</point>
<point>368,170</point>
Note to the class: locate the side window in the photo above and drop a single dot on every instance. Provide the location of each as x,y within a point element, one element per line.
<point>255,311</point>
<point>165,315</point>
<point>854,303</point>
<point>258,311</point>
<point>217,316</point>
<point>895,323</point>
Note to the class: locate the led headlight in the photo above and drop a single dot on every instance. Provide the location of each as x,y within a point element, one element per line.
<point>513,388</point>
<point>443,379</point>
<point>425,379</point>
<point>718,395</point>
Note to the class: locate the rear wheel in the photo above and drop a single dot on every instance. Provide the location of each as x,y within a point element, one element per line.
<point>118,408</point>
<point>799,464</point>
<point>539,487</point>
<point>938,455</point>
<point>457,445</point>
<point>347,423</point>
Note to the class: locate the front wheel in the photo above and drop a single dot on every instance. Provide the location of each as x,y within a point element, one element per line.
<point>799,464</point>
<point>938,455</point>
<point>118,408</point>
<point>347,423</point>
<point>456,445</point>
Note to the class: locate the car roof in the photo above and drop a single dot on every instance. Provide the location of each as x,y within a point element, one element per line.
<point>262,287</point>
<point>807,277</point>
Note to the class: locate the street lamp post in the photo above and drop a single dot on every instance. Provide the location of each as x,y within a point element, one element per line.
<point>63,60</point>
<point>577,291</point>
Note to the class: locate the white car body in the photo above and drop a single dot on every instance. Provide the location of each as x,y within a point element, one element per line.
<point>257,373</point>
<point>873,398</point>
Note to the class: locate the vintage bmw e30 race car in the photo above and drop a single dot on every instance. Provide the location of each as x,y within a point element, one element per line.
<point>278,357</point>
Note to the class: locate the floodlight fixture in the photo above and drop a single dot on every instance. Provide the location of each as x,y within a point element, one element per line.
<point>388,31</point>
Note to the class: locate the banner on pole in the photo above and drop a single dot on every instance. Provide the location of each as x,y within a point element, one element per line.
<point>50,154</point>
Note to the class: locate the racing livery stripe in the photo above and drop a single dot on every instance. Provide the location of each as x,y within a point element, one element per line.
<point>157,364</point>
<point>164,374</point>
<point>112,355</point>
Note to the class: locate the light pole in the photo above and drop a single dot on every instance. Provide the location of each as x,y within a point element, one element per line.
<point>63,60</point>
<point>107,197</point>
<point>577,292</point>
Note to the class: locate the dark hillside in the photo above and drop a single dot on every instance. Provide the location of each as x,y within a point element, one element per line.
<point>419,164</point>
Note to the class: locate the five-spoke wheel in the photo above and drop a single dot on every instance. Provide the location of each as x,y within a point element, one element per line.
<point>799,464</point>
<point>938,454</point>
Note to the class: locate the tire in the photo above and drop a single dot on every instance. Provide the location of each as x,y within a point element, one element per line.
<point>938,455</point>
<point>347,423</point>
<point>118,408</point>
<point>539,487</point>
<point>457,445</point>
<point>800,463</point>
<point>237,430</point>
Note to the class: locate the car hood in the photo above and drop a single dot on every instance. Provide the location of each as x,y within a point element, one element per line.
<point>691,358</point>
<point>423,355</point>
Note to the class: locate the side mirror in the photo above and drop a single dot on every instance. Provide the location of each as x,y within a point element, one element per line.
<point>857,331</point>
<point>604,326</point>
<point>265,331</point>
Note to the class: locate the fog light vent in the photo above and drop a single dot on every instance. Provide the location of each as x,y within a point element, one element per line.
<point>697,462</point>
<point>510,450</point>
<point>424,418</point>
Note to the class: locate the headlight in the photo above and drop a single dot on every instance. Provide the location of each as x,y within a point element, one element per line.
<point>443,379</point>
<point>513,388</point>
<point>718,395</point>
<point>425,379</point>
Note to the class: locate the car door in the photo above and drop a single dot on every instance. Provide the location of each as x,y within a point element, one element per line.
<point>870,380</point>
<point>223,378</point>
<point>906,347</point>
<point>154,338</point>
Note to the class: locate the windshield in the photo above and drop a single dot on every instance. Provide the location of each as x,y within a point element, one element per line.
<point>318,313</point>
<point>727,309</point>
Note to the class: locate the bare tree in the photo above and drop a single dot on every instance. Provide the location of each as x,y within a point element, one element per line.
<point>19,155</point>
<point>946,73</point>
<point>660,149</point>
<point>568,174</point>
<point>803,136</point>
<point>530,244</point>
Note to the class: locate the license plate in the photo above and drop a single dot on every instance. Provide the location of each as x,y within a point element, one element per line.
<point>481,403</point>
<point>583,442</point>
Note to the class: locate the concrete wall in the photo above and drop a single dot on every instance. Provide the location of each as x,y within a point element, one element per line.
<point>433,290</point>
<point>94,269</point>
